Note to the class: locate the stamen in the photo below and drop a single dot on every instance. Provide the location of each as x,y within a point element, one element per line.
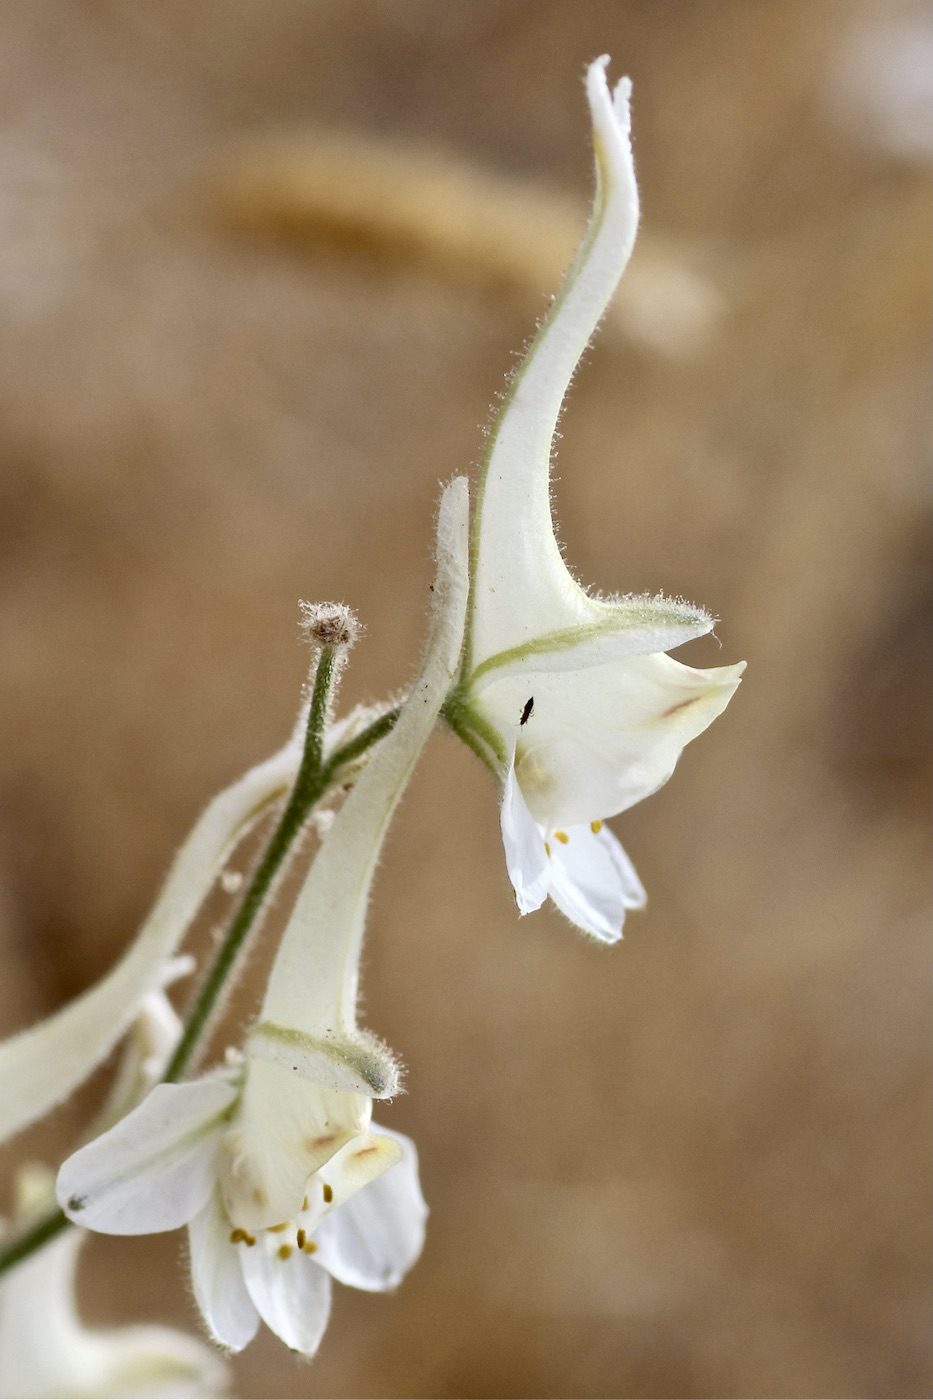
<point>277,1229</point>
<point>328,1193</point>
<point>300,1239</point>
<point>309,1248</point>
<point>596,827</point>
<point>237,1236</point>
<point>562,837</point>
<point>304,1204</point>
<point>548,850</point>
<point>249,1240</point>
<point>285,1251</point>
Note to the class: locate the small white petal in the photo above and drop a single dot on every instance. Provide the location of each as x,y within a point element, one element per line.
<point>360,1162</point>
<point>526,857</point>
<point>593,882</point>
<point>155,1169</point>
<point>217,1278</point>
<point>292,1296</point>
<point>373,1239</point>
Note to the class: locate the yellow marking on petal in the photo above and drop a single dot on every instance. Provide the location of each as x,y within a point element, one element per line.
<point>562,837</point>
<point>285,1251</point>
<point>328,1193</point>
<point>596,827</point>
<point>309,1247</point>
<point>300,1239</point>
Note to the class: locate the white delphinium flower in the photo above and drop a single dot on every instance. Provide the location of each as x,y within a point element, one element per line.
<point>45,1350</point>
<point>275,1165</point>
<point>570,698</point>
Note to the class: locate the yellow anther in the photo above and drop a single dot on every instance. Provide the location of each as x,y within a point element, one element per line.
<point>548,850</point>
<point>237,1236</point>
<point>249,1240</point>
<point>596,827</point>
<point>328,1193</point>
<point>285,1251</point>
<point>277,1229</point>
<point>304,1204</point>
<point>300,1239</point>
<point>309,1247</point>
<point>562,837</point>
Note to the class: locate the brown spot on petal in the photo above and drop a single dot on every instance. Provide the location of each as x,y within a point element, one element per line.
<point>681,705</point>
<point>316,1143</point>
<point>366,1152</point>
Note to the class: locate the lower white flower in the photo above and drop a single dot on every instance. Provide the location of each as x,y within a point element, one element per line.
<point>173,1162</point>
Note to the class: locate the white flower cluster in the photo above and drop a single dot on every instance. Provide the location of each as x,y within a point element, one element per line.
<point>272,1160</point>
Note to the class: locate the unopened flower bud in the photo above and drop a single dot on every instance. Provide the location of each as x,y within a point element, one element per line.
<point>329,624</point>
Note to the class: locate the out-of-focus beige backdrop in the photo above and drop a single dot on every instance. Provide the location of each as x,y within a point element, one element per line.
<point>697,1163</point>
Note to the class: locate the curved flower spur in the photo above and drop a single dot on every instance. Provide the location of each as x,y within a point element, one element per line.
<point>274,1164</point>
<point>571,699</point>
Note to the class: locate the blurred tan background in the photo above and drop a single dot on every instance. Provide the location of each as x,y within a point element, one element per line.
<point>696,1164</point>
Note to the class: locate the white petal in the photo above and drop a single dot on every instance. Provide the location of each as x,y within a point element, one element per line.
<point>372,1240</point>
<point>522,588</point>
<point>313,983</point>
<point>593,881</point>
<point>292,1296</point>
<point>285,1129</point>
<point>155,1169</point>
<point>601,740</point>
<point>217,1278</point>
<point>526,856</point>
<point>40,1067</point>
<point>360,1162</point>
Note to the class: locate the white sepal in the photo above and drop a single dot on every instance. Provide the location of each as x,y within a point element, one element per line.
<point>601,740</point>
<point>291,1296</point>
<point>593,882</point>
<point>522,589</point>
<point>41,1066</point>
<point>156,1168</point>
<point>525,852</point>
<point>377,1234</point>
<point>217,1278</point>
